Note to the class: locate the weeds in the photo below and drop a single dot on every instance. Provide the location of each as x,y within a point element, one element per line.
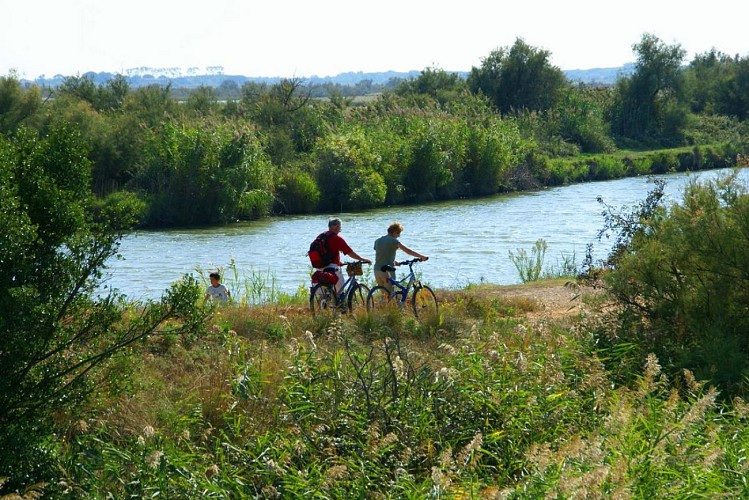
<point>483,404</point>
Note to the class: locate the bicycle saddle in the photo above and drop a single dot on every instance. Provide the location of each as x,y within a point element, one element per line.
<point>386,268</point>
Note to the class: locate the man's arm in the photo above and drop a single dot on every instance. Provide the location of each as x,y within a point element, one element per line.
<point>356,256</point>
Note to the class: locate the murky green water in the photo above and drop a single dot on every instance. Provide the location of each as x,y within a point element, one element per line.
<point>467,241</point>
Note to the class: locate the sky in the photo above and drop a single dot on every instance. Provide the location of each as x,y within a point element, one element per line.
<point>298,38</point>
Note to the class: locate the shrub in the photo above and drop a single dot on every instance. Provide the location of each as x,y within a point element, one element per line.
<point>297,193</point>
<point>57,329</point>
<point>681,276</point>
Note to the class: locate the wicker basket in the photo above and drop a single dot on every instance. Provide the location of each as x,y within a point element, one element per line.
<point>354,269</point>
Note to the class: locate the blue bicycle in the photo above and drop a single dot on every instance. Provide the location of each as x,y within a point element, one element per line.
<point>323,299</point>
<point>423,301</point>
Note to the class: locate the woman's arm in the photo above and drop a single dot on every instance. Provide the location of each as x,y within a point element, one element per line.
<point>411,252</point>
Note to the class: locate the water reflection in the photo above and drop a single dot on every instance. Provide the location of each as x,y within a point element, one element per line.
<point>468,241</point>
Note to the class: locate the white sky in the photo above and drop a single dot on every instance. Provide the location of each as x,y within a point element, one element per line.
<point>305,38</point>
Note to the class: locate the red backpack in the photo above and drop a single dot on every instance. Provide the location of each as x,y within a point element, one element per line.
<point>320,254</point>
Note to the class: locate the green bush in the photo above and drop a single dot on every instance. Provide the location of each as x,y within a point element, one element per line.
<point>297,193</point>
<point>682,279</point>
<point>347,172</point>
<point>57,326</point>
<point>663,162</point>
<point>204,172</point>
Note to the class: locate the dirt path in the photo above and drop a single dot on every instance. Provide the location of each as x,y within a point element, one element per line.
<point>551,299</point>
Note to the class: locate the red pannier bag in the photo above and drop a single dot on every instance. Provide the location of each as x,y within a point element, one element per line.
<point>324,277</point>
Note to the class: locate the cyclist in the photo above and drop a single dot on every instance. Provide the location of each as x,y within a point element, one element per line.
<point>385,248</point>
<point>337,245</point>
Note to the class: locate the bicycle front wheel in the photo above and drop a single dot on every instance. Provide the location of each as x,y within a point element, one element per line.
<point>323,300</point>
<point>357,297</point>
<point>424,302</point>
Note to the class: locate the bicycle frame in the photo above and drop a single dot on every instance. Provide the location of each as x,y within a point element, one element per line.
<point>403,289</point>
<point>348,286</point>
<point>350,289</point>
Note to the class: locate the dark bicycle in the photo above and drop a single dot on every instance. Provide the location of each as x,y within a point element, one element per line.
<point>423,300</point>
<point>323,300</point>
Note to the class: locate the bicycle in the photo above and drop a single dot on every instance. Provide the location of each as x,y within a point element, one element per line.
<point>323,298</point>
<point>423,300</point>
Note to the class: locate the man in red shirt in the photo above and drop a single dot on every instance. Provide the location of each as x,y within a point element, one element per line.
<point>338,245</point>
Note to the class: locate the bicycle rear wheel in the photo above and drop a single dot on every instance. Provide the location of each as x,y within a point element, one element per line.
<point>323,300</point>
<point>424,302</point>
<point>357,297</point>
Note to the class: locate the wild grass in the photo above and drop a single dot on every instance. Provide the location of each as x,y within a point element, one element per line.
<point>253,287</point>
<point>479,403</point>
<point>533,267</point>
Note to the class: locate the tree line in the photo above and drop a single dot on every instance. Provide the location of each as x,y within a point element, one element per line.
<point>515,122</point>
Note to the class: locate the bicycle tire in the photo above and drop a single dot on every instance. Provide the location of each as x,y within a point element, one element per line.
<point>323,300</point>
<point>380,298</point>
<point>424,302</point>
<point>357,297</point>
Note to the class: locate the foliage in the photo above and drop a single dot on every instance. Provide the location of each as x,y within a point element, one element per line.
<point>515,123</point>
<point>347,172</point>
<point>655,443</point>
<point>444,87</point>
<point>651,106</point>
<point>17,105</point>
<point>529,267</point>
<point>290,121</point>
<point>108,97</point>
<point>579,118</point>
<point>204,172</point>
<point>518,78</point>
<point>679,276</point>
<point>367,406</point>
<point>297,192</point>
<point>719,84</point>
<point>56,328</point>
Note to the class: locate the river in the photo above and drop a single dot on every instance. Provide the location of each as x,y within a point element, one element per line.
<point>467,241</point>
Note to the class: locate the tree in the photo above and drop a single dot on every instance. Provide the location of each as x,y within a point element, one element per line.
<point>203,172</point>
<point>434,82</point>
<point>17,105</point>
<point>518,78</point>
<point>706,76</point>
<point>57,326</point>
<point>202,101</point>
<point>733,99</point>
<point>651,104</point>
<point>290,122</point>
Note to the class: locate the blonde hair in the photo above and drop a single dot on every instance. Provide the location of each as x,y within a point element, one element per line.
<point>395,227</point>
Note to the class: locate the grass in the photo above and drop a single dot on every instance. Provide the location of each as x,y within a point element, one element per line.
<point>490,400</point>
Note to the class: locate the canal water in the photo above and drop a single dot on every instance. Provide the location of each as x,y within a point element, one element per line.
<point>467,241</point>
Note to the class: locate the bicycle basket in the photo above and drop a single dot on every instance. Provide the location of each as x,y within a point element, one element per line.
<point>354,269</point>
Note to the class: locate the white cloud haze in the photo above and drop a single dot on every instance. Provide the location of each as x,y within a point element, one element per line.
<point>301,38</point>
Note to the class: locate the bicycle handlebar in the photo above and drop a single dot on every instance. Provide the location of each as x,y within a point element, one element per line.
<point>408,262</point>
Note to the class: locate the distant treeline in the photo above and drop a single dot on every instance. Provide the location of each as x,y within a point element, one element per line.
<point>215,154</point>
<point>352,82</point>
